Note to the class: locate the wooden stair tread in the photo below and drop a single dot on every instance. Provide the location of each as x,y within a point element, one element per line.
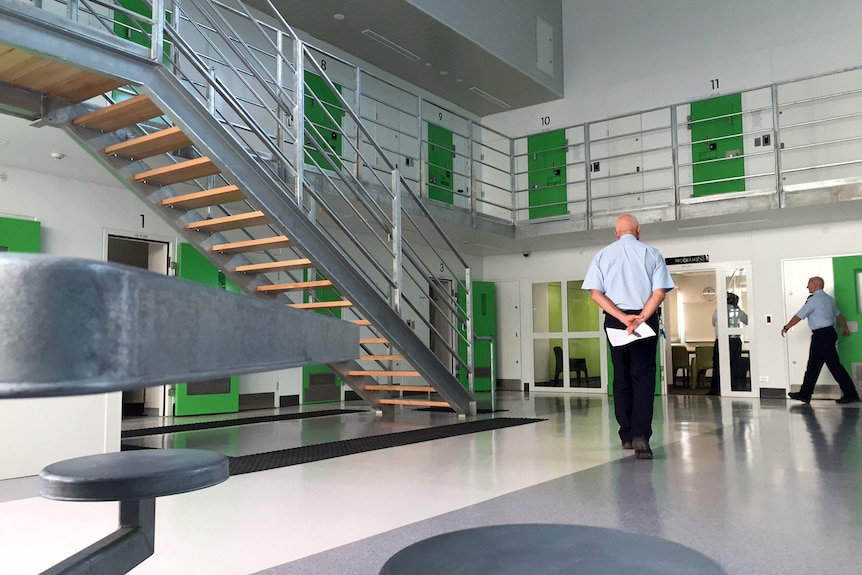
<point>321,304</point>
<point>150,145</point>
<point>205,198</point>
<point>402,401</point>
<point>381,373</point>
<point>245,220</point>
<point>381,357</point>
<point>262,244</point>
<point>295,286</point>
<point>275,266</point>
<point>179,172</point>
<point>121,115</point>
<point>370,340</point>
<point>397,388</point>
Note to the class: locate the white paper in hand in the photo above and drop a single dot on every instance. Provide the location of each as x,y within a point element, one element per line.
<point>619,337</point>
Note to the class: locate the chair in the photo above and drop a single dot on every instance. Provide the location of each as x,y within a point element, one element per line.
<point>701,363</point>
<point>576,365</point>
<point>679,360</point>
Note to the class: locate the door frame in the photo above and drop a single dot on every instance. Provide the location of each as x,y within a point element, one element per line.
<point>166,405</point>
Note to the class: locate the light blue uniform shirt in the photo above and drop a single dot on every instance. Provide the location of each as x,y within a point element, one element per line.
<point>627,272</point>
<point>820,309</point>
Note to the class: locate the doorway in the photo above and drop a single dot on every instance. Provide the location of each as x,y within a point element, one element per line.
<point>709,356</point>
<point>442,319</point>
<point>153,255</point>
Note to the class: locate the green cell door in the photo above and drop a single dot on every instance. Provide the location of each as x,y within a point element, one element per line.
<point>716,149</point>
<point>484,324</point>
<point>546,166</point>
<point>216,395</point>
<point>847,275</point>
<point>323,123</point>
<point>137,30</point>
<point>319,382</point>
<point>20,235</point>
<point>441,158</point>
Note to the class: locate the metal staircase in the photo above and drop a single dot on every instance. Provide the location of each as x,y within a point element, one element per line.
<point>258,190</point>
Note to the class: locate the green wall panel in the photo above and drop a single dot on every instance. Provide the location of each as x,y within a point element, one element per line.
<point>546,164</point>
<point>322,128</point>
<point>847,275</point>
<point>137,31</point>
<point>717,138</point>
<point>441,158</point>
<point>20,235</point>
<point>192,266</point>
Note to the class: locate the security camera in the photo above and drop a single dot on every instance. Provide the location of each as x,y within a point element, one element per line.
<point>527,254</point>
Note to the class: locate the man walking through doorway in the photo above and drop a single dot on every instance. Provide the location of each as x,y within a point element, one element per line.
<point>821,311</point>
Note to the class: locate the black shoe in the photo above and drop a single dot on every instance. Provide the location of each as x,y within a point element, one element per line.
<point>642,450</point>
<point>846,399</point>
<point>799,397</point>
<point>627,445</point>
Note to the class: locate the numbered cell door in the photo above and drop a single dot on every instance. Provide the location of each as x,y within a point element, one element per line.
<point>324,118</point>
<point>732,321</point>
<point>441,162</point>
<point>546,167</point>
<point>219,395</point>
<point>484,325</point>
<point>717,151</point>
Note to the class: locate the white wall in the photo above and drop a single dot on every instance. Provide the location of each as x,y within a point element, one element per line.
<point>765,249</point>
<point>622,56</point>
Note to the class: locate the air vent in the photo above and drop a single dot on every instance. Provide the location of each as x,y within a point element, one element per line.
<point>390,44</point>
<point>857,372</point>
<point>489,97</point>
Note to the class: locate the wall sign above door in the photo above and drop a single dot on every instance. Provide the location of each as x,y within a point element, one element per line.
<point>686,260</point>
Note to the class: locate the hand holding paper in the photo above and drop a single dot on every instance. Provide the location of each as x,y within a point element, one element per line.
<point>619,337</point>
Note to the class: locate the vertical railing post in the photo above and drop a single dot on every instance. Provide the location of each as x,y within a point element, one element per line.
<point>357,102</point>
<point>588,179</point>
<point>158,33</point>
<point>468,331</point>
<point>513,182</point>
<point>282,115</point>
<point>471,173</point>
<point>674,160</point>
<point>776,145</point>
<point>395,233</point>
<point>423,160</point>
<point>299,118</point>
<point>71,10</point>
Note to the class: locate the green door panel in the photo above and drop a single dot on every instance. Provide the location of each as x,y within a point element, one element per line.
<point>326,131</point>
<point>484,324</point>
<point>215,396</point>
<point>441,161</point>
<point>546,166</point>
<point>20,235</point>
<point>138,31</point>
<point>717,145</point>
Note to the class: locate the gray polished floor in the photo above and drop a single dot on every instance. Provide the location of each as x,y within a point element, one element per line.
<point>761,486</point>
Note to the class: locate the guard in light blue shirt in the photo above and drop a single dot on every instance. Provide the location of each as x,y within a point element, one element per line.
<point>821,311</point>
<point>628,280</point>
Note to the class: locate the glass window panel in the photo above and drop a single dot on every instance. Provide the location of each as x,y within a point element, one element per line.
<point>583,313</point>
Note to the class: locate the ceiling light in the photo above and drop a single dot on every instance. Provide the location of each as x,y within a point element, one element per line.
<point>338,17</point>
<point>443,72</point>
<point>3,142</point>
<point>489,97</point>
<point>390,44</point>
<point>58,155</point>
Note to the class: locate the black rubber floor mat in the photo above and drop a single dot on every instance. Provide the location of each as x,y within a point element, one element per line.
<point>297,455</point>
<point>450,410</point>
<point>128,434</point>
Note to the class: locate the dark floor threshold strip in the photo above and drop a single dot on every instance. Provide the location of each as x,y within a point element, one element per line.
<point>128,434</point>
<point>286,457</point>
<point>480,411</point>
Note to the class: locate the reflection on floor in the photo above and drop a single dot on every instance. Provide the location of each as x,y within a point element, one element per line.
<point>762,486</point>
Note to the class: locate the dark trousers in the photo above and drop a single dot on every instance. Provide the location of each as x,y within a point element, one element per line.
<point>737,373</point>
<point>823,350</point>
<point>634,381</point>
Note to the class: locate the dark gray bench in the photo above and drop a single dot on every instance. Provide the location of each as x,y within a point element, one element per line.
<point>72,327</point>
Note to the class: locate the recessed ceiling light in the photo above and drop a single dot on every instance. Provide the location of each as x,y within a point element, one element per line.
<point>3,142</point>
<point>459,80</point>
<point>443,72</point>
<point>427,64</point>
<point>338,16</point>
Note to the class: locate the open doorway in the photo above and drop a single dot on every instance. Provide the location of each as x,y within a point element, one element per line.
<point>153,255</point>
<point>709,356</point>
<point>442,320</point>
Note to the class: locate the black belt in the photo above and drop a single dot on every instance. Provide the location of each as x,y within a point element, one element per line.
<point>832,327</point>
